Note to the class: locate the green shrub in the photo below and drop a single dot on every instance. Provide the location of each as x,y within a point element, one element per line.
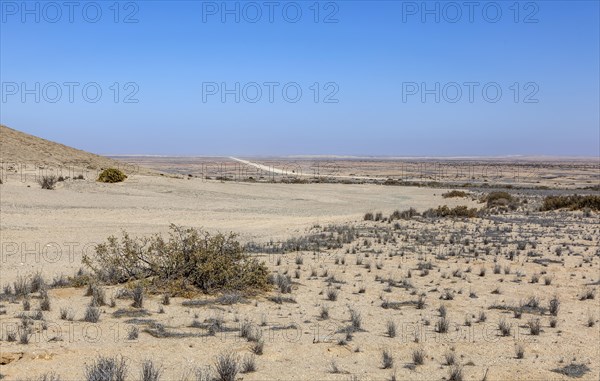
<point>112,175</point>
<point>573,202</point>
<point>189,259</point>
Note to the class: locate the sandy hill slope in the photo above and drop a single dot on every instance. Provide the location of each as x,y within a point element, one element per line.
<point>20,148</point>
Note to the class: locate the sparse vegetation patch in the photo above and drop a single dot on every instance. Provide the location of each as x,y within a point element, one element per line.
<point>190,258</point>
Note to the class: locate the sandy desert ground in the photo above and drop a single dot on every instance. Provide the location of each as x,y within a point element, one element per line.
<point>528,172</point>
<point>389,297</point>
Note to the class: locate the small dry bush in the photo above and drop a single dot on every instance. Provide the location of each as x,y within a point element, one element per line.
<point>387,359</point>
<point>112,175</point>
<point>107,369</point>
<point>460,211</point>
<point>454,193</point>
<point>47,182</point>
<point>573,202</point>
<point>418,356</point>
<point>504,328</point>
<point>497,199</point>
<point>404,214</point>
<point>227,366</point>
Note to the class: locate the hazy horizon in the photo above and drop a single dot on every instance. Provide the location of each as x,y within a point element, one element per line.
<point>318,156</point>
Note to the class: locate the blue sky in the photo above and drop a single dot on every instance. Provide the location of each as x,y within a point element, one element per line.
<point>378,67</point>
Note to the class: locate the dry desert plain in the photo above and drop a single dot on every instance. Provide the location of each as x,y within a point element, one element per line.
<point>363,287</point>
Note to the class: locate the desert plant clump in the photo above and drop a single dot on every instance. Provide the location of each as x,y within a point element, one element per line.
<point>111,175</point>
<point>324,312</point>
<point>190,258</point>
<point>227,366</point>
<point>504,328</point>
<point>255,335</point>
<point>283,282</point>
<point>150,372</point>
<point>450,358</point>
<point>418,356</point>
<point>92,315</point>
<point>133,333</point>
<point>442,325</point>
<point>391,328</point>
<point>461,211</point>
<point>21,286</point>
<point>66,314</point>
<point>37,283</point>
<point>387,359</point>
<point>554,306</point>
<point>24,335</point>
<point>572,202</point>
<point>519,352</point>
<point>355,319</point>
<point>45,302</point>
<point>534,326</point>
<point>248,364</point>
<point>98,296</point>
<point>47,182</point>
<point>518,311</point>
<point>258,347</point>
<point>442,310</point>
<point>107,369</point>
<point>245,329</point>
<point>533,302</point>
<point>454,193</point>
<point>497,199</point>
<point>404,215</point>
<point>535,278</point>
<point>332,294</point>
<point>138,297</point>
<point>455,373</point>
<point>591,321</point>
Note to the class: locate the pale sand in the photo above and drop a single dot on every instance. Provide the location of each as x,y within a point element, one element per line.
<point>87,212</point>
<point>82,213</point>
